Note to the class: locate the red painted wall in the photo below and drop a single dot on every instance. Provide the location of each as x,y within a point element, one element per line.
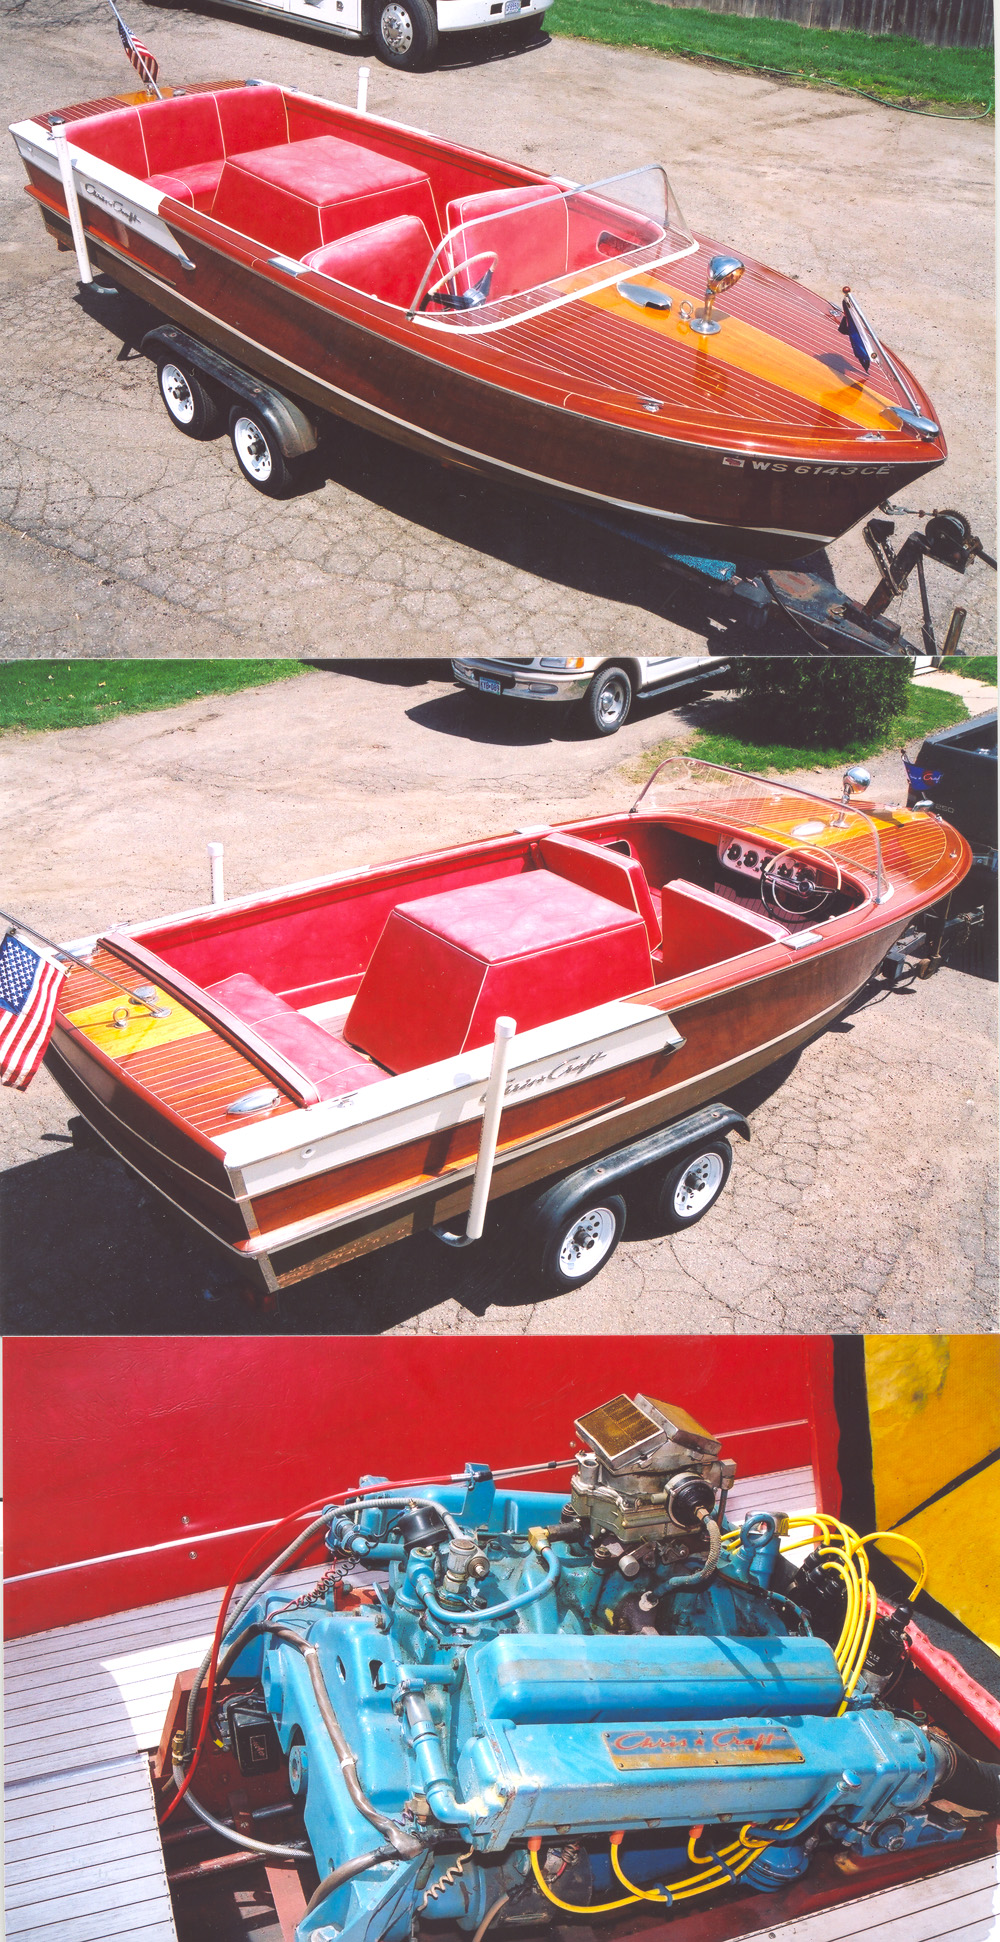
<point>118,1444</point>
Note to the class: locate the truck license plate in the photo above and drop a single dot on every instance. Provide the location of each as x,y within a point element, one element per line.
<point>511,7</point>
<point>487,684</point>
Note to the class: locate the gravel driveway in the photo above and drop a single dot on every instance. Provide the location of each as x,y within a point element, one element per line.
<point>865,1199</point>
<point>121,536</point>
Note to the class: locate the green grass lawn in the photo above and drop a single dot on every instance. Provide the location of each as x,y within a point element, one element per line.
<point>975,667</point>
<point>75,694</point>
<point>741,740</point>
<point>887,65</point>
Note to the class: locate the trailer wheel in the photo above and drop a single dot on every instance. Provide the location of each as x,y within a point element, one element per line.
<point>582,1242</point>
<point>258,454</point>
<point>406,32</point>
<point>190,407</point>
<point>608,700</point>
<point>688,1189</point>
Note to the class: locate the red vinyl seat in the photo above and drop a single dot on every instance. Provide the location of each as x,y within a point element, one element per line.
<point>536,947</point>
<point>385,261</point>
<point>700,928</point>
<point>609,873</point>
<point>333,1066</point>
<point>115,137</point>
<point>299,195</point>
<point>529,237</point>
<point>180,145</point>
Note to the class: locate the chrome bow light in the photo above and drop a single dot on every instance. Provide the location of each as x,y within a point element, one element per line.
<point>723,272</point>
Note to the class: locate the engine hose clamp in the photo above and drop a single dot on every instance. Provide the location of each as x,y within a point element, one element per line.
<point>723,1866</point>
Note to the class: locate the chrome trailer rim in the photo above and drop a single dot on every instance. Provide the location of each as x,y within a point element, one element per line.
<point>177,394</point>
<point>588,1241</point>
<point>252,448</point>
<point>698,1186</point>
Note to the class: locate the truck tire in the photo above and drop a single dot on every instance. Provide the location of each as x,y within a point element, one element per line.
<point>189,406</point>
<point>686,1191</point>
<point>258,454</point>
<point>608,700</point>
<point>580,1243</point>
<point>406,32</point>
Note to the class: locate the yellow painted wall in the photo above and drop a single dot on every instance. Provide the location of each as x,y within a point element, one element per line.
<point>934,1410</point>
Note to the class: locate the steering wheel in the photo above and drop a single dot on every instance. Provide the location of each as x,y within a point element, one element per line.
<point>821,894</point>
<point>469,299</point>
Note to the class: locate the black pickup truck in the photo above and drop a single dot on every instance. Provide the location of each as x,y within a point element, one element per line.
<point>960,780</point>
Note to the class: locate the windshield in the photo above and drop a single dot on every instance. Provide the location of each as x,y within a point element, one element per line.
<point>787,815</point>
<point>518,252</point>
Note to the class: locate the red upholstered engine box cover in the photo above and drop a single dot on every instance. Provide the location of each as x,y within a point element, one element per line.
<point>299,195</point>
<point>532,947</point>
<point>700,928</point>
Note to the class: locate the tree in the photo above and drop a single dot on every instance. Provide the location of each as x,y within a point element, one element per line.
<point>822,703</point>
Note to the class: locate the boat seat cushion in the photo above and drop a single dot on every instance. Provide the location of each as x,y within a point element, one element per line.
<point>535,947</point>
<point>333,1066</point>
<point>530,246</point>
<point>620,878</point>
<point>116,138</point>
<point>180,132</point>
<point>385,261</point>
<point>252,117</point>
<point>194,185</point>
<point>299,195</point>
<point>700,928</point>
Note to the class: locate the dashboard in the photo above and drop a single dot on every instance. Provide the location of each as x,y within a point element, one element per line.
<point>748,859</point>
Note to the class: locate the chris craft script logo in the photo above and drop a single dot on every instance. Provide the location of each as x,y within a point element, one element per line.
<point>698,1746</point>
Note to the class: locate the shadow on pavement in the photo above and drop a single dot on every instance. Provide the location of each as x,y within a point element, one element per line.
<point>543,537</point>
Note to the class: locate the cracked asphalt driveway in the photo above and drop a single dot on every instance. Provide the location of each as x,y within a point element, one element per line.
<point>864,1201</point>
<point>117,535</point>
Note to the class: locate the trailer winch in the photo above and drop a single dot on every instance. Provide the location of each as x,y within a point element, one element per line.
<point>535,1704</point>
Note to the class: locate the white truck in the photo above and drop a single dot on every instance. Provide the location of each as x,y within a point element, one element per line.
<point>406,32</point>
<point>604,689</point>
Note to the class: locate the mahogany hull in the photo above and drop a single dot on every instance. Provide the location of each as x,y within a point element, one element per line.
<point>281,1237</point>
<point>719,492</point>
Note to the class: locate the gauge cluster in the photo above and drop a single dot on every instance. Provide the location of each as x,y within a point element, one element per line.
<point>750,859</point>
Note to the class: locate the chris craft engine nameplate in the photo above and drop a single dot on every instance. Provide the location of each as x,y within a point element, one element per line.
<point>691,1746</point>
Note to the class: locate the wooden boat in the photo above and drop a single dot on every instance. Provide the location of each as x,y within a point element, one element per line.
<point>554,337</point>
<point>315,1088</point>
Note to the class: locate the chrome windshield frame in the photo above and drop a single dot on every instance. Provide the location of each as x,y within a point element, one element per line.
<point>457,320</point>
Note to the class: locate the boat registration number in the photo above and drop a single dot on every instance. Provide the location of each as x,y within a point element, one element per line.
<point>486,682</point>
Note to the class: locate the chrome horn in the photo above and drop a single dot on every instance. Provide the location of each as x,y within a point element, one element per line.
<point>723,272</point>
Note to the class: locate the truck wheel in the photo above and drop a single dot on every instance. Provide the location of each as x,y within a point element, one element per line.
<point>406,33</point>
<point>191,408</point>
<point>684,1194</point>
<point>582,1242</point>
<point>258,454</point>
<point>608,700</point>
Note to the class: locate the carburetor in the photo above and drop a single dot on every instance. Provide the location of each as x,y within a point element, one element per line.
<point>651,1477</point>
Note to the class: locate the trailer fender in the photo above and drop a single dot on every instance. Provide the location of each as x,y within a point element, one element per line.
<point>294,432</point>
<point>558,1201</point>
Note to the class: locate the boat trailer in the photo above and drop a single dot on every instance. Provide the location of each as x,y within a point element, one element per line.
<point>789,602</point>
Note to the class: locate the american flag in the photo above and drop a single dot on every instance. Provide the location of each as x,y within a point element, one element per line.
<point>30,983</point>
<point>139,55</point>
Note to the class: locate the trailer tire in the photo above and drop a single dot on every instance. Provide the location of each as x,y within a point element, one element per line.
<point>258,454</point>
<point>689,1189</point>
<point>582,1242</point>
<point>608,700</point>
<point>406,32</point>
<point>189,405</point>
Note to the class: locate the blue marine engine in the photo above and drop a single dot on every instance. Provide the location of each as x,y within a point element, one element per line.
<point>533,1699</point>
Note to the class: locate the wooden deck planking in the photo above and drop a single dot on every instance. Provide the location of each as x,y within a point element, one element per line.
<point>961,1904</point>
<point>74,1879</point>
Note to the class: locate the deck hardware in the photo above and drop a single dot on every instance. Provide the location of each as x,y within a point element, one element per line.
<point>290,265</point>
<point>723,272</point>
<point>651,404</point>
<point>121,1018</point>
<point>644,296</point>
<point>261,1100</point>
<point>914,421</point>
<point>187,263</point>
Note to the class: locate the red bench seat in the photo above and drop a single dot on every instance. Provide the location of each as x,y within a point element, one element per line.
<point>300,195</point>
<point>535,946</point>
<point>385,261</point>
<point>315,1050</point>
<point>700,928</point>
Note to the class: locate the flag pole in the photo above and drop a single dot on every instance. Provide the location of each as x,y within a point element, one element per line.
<point>143,68</point>
<point>138,995</point>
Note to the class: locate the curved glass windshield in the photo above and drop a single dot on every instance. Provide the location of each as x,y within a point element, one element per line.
<point>518,252</point>
<point>788,815</point>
